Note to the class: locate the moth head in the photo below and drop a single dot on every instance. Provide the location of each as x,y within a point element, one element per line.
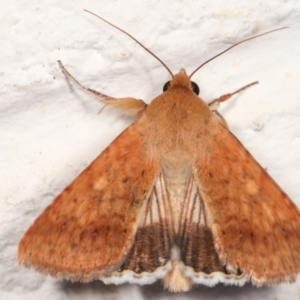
<point>182,80</point>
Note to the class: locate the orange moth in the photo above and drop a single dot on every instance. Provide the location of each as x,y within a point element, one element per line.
<point>174,197</point>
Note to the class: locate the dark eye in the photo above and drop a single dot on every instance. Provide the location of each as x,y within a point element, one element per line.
<point>166,86</point>
<point>195,88</point>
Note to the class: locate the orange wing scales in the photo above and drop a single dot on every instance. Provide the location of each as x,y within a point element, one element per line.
<point>88,230</point>
<point>255,225</point>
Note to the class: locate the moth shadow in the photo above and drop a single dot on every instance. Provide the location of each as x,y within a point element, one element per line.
<point>156,291</point>
<point>220,291</point>
<point>79,290</point>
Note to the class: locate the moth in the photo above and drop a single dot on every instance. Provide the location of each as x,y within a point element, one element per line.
<point>174,197</point>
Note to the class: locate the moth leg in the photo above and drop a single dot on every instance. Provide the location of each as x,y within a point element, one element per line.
<point>214,105</point>
<point>128,105</point>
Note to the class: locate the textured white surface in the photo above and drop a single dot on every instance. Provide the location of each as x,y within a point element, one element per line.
<point>50,131</point>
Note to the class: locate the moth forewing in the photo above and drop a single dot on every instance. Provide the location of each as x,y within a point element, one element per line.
<point>89,228</point>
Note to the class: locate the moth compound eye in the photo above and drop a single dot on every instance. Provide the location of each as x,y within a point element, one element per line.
<point>195,88</point>
<point>166,86</point>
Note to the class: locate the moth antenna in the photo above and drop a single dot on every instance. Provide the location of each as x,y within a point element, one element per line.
<point>243,41</point>
<point>133,39</point>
